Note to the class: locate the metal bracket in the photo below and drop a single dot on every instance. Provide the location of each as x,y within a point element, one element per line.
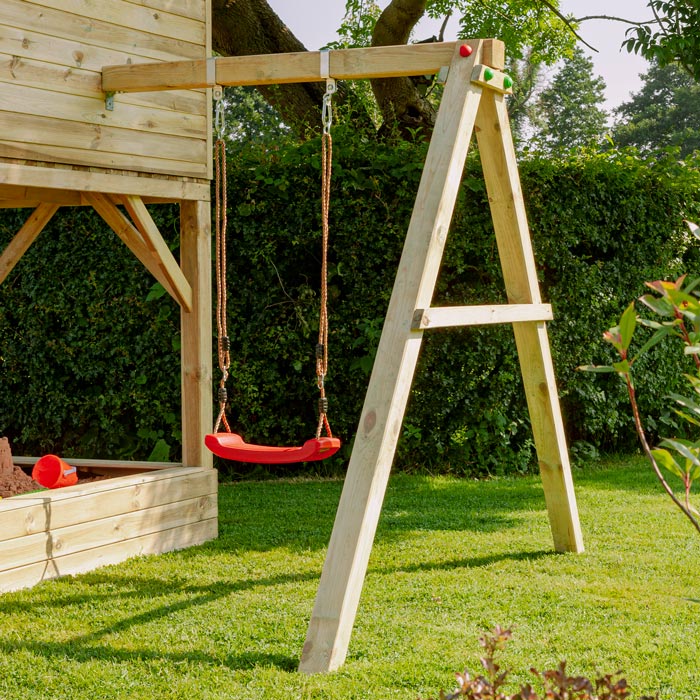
<point>109,101</point>
<point>442,74</point>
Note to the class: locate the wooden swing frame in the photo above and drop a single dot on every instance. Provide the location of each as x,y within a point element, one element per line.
<point>473,101</point>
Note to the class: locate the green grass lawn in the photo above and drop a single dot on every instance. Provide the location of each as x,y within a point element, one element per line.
<point>452,557</point>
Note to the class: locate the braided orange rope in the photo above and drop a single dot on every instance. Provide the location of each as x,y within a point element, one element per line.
<point>223,346</point>
<point>322,352</point>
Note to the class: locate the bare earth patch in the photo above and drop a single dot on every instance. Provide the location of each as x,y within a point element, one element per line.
<point>14,481</point>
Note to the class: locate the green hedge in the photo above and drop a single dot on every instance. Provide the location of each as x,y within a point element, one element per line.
<point>89,359</point>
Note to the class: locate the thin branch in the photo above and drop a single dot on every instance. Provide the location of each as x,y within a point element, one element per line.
<point>614,19</point>
<point>441,35</point>
<point>567,22</point>
<point>647,451</point>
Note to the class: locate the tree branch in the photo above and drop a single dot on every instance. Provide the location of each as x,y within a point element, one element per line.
<point>614,19</point>
<point>567,22</point>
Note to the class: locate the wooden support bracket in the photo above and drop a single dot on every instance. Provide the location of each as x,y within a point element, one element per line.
<point>18,246</point>
<point>154,262</point>
<point>487,77</point>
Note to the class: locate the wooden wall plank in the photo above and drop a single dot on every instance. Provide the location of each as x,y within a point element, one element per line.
<point>194,9</point>
<point>129,14</point>
<point>43,512</point>
<point>77,81</point>
<point>86,157</point>
<point>70,179</point>
<point>78,111</point>
<point>95,487</point>
<point>58,542</point>
<point>129,39</point>
<point>60,133</point>
<point>52,53</point>
<point>81,562</point>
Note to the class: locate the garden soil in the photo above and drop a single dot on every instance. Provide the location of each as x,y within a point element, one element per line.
<point>13,480</point>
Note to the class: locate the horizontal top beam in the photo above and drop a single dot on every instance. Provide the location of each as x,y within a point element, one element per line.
<point>302,67</point>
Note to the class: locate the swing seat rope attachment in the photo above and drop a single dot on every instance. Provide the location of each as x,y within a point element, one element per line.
<point>229,445</point>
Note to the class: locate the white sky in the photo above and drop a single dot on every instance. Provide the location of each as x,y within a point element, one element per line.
<point>314,22</point>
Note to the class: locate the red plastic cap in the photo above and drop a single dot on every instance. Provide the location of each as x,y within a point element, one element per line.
<point>465,50</point>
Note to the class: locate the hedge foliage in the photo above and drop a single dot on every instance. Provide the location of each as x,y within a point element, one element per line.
<point>89,347</point>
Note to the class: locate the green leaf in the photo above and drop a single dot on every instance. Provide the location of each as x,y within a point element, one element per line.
<point>661,333</point>
<point>684,448</point>
<point>596,368</point>
<point>160,452</point>
<point>622,367</point>
<point>665,459</point>
<point>661,307</point>
<point>156,292</point>
<point>628,323</point>
<point>686,403</point>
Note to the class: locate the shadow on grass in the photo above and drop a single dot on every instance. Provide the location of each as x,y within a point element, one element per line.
<point>93,645</point>
<point>258,516</point>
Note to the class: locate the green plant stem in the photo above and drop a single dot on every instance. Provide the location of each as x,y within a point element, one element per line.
<point>647,451</point>
<point>686,338</point>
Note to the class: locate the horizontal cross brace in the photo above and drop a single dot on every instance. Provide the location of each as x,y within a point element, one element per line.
<point>451,316</point>
<point>301,67</point>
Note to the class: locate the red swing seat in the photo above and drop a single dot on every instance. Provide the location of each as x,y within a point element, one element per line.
<point>233,447</point>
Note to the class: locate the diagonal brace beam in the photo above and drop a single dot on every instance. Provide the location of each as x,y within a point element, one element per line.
<point>159,250</point>
<point>131,237</point>
<point>19,245</point>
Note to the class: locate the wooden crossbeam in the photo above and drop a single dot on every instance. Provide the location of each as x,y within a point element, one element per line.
<point>301,67</point>
<point>453,316</point>
<point>17,247</point>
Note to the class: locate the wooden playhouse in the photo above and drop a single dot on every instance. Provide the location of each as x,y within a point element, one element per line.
<point>129,87</point>
<point>59,147</point>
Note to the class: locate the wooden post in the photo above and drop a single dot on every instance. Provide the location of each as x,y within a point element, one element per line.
<point>520,275</point>
<point>196,328</point>
<point>375,442</point>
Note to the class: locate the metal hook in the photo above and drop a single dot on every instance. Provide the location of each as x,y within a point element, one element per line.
<point>327,113</point>
<point>219,121</point>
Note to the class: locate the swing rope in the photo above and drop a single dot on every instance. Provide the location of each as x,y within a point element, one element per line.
<point>232,446</point>
<point>326,171</point>
<point>220,224</point>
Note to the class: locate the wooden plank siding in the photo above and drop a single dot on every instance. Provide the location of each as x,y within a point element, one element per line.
<point>52,108</point>
<point>70,530</point>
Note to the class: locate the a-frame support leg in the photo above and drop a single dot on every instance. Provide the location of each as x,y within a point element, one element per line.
<point>382,415</point>
<point>520,276</point>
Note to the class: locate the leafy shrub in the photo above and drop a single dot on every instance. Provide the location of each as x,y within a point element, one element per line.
<point>555,684</point>
<point>79,375</point>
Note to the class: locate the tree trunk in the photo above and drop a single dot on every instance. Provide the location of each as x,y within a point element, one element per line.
<point>400,102</point>
<point>249,27</point>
